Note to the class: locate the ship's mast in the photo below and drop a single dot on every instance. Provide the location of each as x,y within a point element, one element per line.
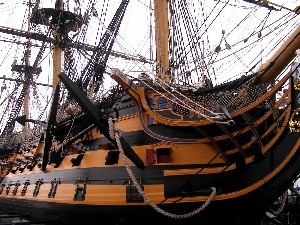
<point>61,22</point>
<point>161,38</point>
<point>26,76</point>
<point>56,49</point>
<point>27,72</point>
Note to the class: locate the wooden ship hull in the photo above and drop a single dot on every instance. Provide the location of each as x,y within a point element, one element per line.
<point>168,164</point>
<point>176,166</point>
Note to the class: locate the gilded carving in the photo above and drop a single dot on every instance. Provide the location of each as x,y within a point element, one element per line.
<point>294,124</point>
<point>297,84</point>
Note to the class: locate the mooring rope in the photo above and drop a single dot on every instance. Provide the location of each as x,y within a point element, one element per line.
<point>281,207</point>
<point>116,133</point>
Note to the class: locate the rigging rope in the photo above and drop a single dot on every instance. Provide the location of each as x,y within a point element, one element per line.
<point>193,106</point>
<point>116,133</point>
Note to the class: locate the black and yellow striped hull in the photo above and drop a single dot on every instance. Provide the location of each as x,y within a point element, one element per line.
<point>175,161</point>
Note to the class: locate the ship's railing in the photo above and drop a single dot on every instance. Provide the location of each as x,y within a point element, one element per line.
<point>236,98</point>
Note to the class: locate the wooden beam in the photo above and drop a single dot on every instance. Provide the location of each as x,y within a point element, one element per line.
<point>96,116</point>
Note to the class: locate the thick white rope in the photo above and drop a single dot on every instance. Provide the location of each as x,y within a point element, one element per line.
<point>283,201</point>
<point>116,133</point>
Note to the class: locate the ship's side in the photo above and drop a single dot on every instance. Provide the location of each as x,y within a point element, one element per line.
<point>249,163</point>
<point>152,151</point>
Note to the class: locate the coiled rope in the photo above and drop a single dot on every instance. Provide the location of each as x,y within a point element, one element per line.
<point>116,133</point>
